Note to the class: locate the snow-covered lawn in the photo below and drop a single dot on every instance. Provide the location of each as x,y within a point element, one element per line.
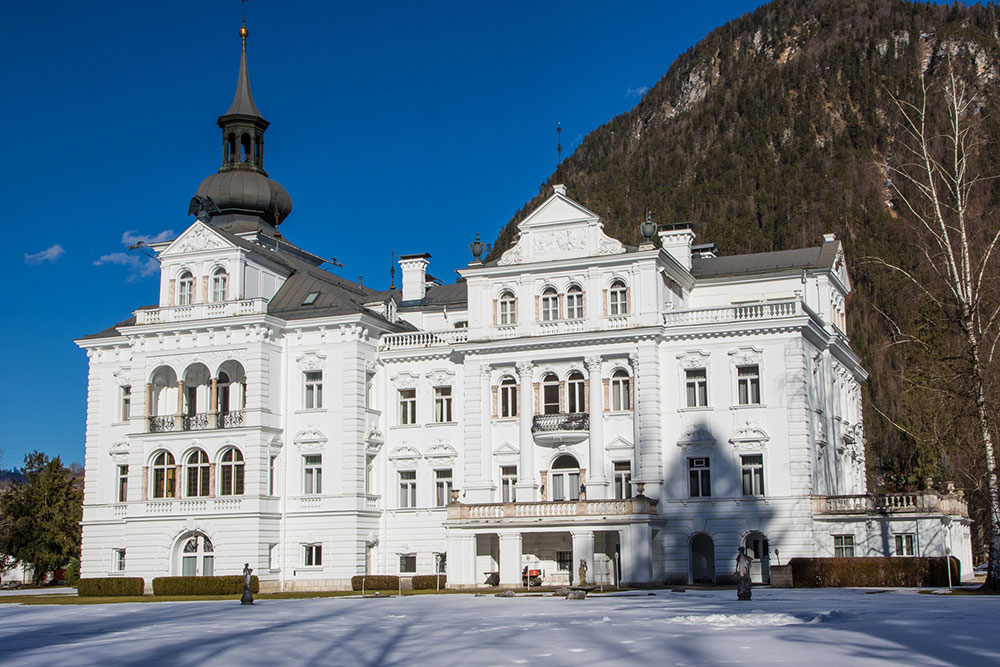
<point>792,627</point>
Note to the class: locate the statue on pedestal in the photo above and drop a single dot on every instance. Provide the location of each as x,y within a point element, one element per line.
<point>743,562</point>
<point>247,595</point>
<point>583,573</point>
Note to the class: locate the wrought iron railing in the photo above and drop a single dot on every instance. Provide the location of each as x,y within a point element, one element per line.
<point>161,424</point>
<point>196,422</point>
<point>232,419</point>
<point>574,421</point>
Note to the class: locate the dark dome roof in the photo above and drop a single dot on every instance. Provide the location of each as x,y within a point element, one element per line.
<point>244,191</point>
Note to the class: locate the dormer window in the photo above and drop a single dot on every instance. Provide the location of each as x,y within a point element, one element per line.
<point>550,304</point>
<point>310,298</point>
<point>219,280</point>
<point>185,291</point>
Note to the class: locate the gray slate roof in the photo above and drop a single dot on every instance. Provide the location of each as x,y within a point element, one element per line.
<point>454,294</point>
<point>243,104</point>
<point>820,257</point>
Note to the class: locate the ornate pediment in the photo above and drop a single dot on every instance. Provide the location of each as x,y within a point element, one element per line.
<point>506,449</point>
<point>310,439</point>
<point>442,378</point>
<point>441,453</point>
<point>197,237</point>
<point>119,451</point>
<point>693,359</point>
<point>749,435</point>
<point>311,361</point>
<point>696,435</point>
<point>747,355</point>
<point>404,456</point>
<point>405,380</point>
<point>619,445</point>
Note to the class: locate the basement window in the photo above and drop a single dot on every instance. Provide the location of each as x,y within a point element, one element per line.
<point>310,298</point>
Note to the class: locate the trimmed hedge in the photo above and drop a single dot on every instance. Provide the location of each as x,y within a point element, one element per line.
<point>873,572</point>
<point>376,582</point>
<point>423,582</point>
<point>110,587</point>
<point>226,585</point>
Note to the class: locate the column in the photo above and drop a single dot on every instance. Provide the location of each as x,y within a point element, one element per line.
<point>597,483</point>
<point>510,559</point>
<point>461,562</point>
<point>213,405</point>
<point>527,487</point>
<point>583,549</point>
<point>179,415</point>
<point>638,474</point>
<point>637,555</point>
<point>486,427</point>
<point>149,400</point>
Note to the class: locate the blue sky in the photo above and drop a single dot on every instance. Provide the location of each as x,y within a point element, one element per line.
<point>405,128</point>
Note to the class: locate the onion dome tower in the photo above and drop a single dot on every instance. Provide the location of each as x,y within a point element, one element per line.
<point>240,197</point>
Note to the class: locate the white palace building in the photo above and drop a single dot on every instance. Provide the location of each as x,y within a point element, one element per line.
<point>646,410</point>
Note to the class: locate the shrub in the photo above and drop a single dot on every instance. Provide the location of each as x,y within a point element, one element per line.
<point>872,572</point>
<point>73,571</point>
<point>225,585</point>
<point>428,581</point>
<point>376,582</point>
<point>111,587</point>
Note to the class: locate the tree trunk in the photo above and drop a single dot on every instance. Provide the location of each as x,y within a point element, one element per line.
<point>993,572</point>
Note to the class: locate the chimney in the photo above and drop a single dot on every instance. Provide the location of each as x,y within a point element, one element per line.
<point>414,269</point>
<point>677,240</point>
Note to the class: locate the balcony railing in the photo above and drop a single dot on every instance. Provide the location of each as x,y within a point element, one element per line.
<point>201,421</point>
<point>200,311</point>
<point>739,313</point>
<point>892,503</point>
<point>419,339</point>
<point>575,510</point>
<point>232,419</point>
<point>196,422</point>
<point>161,424</point>
<point>574,421</point>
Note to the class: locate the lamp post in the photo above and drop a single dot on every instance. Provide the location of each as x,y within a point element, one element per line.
<point>437,570</point>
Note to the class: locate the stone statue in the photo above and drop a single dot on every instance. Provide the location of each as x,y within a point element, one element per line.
<point>743,562</point>
<point>583,573</point>
<point>247,595</point>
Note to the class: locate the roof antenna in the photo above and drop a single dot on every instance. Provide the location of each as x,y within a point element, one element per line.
<point>392,271</point>
<point>558,144</point>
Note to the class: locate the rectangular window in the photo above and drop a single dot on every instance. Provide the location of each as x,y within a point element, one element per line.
<point>748,384</point>
<point>314,390</point>
<point>313,467</point>
<point>407,563</point>
<point>904,544</point>
<point>123,484</point>
<point>126,406</point>
<point>312,555</point>
<point>407,488</point>
<point>442,487</point>
<point>119,560</point>
<point>508,397</point>
<point>272,465</point>
<point>370,391</point>
<point>407,406</point>
<point>273,557</point>
<point>575,395</point>
<point>752,469</point>
<point>566,485</point>
<point>564,560</point>
<point>508,478</point>
<point>623,480</point>
<point>843,546</point>
<point>696,382</point>
<point>700,477</point>
<point>442,404</point>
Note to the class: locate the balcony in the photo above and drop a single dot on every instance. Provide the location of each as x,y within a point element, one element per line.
<point>893,503</point>
<point>201,421</point>
<point>200,311</point>
<point>748,312</point>
<point>415,340</point>
<point>561,429</point>
<point>573,511</point>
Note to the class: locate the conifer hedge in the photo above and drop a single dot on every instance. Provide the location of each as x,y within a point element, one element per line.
<point>111,587</point>
<point>376,582</point>
<point>872,572</point>
<point>224,585</point>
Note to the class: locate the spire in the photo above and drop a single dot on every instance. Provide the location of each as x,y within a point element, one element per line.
<point>243,104</point>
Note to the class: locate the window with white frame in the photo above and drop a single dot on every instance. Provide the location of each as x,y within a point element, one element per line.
<point>272,466</point>
<point>185,289</point>
<point>565,478</point>
<point>623,480</point>
<point>508,308</point>
<point>312,470</point>
<point>550,394</point>
<point>219,279</point>
<point>508,480</point>
<point>700,477</point>
<point>231,473</point>
<point>442,405</point>
<point>843,546</point>
<point>126,403</point>
<point>119,560</point>
<point>564,560</point>
<point>752,472</point>
<point>122,483</point>
<point>312,555</point>
<point>442,487</point>
<point>407,488</point>
<point>905,544</point>
<point>696,385</point>
<point>621,399</point>
<point>748,384</point>
<point>407,563</point>
<point>313,390</point>
<point>197,473</point>
<point>164,475</point>
<point>197,557</point>
<point>508,397</point>
<point>574,302</point>
<point>407,406</point>
<point>550,304</point>
<point>618,298</point>
<point>576,392</point>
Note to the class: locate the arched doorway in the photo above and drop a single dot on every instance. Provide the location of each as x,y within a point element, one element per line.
<point>565,479</point>
<point>757,548</point>
<point>702,559</point>
<point>195,556</point>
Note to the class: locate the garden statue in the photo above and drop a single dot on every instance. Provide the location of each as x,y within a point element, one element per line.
<point>743,575</point>
<point>583,573</point>
<point>247,595</point>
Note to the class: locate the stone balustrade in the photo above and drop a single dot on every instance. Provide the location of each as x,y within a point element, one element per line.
<point>893,503</point>
<point>421,339</point>
<point>739,313</point>
<point>199,311</point>
<point>569,510</point>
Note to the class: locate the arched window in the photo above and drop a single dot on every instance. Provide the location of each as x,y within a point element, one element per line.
<point>164,476</point>
<point>219,280</point>
<point>508,308</point>
<point>185,289</point>
<point>508,397</point>
<point>197,474</point>
<point>574,302</point>
<point>245,149</point>
<point>197,556</point>
<point>565,478</point>
<point>576,400</point>
<point>231,148</point>
<point>231,473</point>
<point>618,298</point>
<point>550,394</point>
<point>620,394</point>
<point>550,304</point>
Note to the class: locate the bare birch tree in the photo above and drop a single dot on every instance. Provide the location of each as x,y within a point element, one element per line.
<point>955,244</point>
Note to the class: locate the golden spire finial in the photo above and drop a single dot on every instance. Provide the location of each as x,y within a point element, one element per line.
<point>243,28</point>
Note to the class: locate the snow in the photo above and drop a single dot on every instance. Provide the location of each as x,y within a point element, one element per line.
<point>793,627</point>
